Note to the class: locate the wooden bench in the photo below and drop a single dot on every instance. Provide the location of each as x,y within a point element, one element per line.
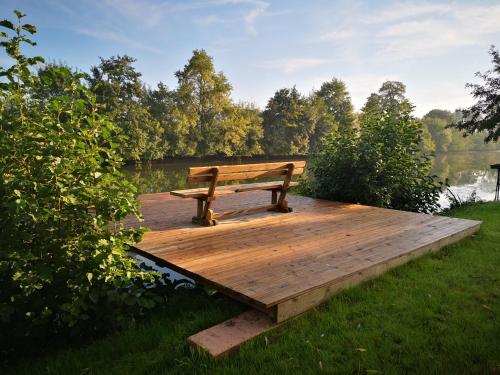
<point>215,174</point>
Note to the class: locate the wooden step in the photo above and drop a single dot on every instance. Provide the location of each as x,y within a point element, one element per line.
<point>227,336</point>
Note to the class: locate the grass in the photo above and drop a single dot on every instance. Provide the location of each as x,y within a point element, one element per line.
<point>439,314</point>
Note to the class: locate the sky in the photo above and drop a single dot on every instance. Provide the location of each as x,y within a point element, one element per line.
<point>434,48</point>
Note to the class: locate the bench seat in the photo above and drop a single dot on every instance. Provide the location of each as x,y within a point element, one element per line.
<point>230,189</point>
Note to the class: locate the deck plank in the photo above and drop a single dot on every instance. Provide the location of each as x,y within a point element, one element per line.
<point>269,258</point>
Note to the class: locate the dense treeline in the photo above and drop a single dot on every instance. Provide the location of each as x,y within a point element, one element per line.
<point>199,118</point>
<point>441,138</point>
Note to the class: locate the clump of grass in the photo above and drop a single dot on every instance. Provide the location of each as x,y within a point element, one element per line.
<point>455,200</point>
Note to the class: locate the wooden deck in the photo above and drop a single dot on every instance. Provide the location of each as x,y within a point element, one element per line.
<point>285,263</point>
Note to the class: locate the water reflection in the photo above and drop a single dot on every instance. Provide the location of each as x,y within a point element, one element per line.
<point>466,172</point>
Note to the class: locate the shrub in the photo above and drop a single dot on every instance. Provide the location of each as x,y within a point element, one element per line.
<point>382,164</point>
<point>63,251</point>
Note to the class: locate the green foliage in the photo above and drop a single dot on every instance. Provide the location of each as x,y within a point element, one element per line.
<point>243,131</point>
<point>289,122</point>
<point>484,116</point>
<point>446,138</point>
<point>63,259</point>
<point>390,94</point>
<point>382,164</point>
<point>428,144</point>
<point>121,94</point>
<point>338,102</point>
<point>322,120</point>
<point>161,105</point>
<point>198,118</point>
<point>441,135</point>
<point>203,98</point>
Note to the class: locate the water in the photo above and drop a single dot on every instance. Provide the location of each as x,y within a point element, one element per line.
<point>466,172</point>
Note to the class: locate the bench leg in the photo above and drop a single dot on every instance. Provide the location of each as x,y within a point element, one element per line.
<point>205,215</point>
<point>280,205</point>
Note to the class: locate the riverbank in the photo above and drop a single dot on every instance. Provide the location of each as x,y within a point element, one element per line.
<point>438,314</point>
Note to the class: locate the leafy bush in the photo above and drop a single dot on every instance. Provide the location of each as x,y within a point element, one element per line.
<point>382,164</point>
<point>63,260</point>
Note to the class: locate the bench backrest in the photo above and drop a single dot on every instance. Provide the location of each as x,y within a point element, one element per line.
<point>244,171</point>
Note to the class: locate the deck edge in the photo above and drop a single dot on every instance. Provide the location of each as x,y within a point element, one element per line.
<point>299,304</point>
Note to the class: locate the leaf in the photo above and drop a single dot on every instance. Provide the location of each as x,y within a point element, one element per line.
<point>90,275</point>
<point>35,59</point>
<point>29,28</point>
<point>7,24</point>
<point>19,14</point>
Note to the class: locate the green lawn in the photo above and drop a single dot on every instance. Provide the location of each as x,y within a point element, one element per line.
<point>437,315</point>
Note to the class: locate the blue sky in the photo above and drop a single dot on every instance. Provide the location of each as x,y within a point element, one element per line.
<point>264,45</point>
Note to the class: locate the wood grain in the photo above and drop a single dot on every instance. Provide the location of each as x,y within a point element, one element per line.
<point>245,167</point>
<point>230,189</point>
<point>227,336</point>
<point>269,259</point>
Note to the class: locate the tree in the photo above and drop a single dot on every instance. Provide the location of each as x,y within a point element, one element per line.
<point>203,102</point>
<point>390,94</point>
<point>484,116</point>
<point>288,123</point>
<point>119,90</point>
<point>54,80</point>
<point>428,144</point>
<point>338,102</point>
<point>382,164</point>
<point>436,122</point>
<point>63,247</point>
<point>325,122</point>
<point>162,105</point>
<point>243,131</point>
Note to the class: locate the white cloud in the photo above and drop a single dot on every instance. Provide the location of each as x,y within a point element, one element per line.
<point>412,29</point>
<point>149,14</point>
<point>116,37</point>
<point>401,11</point>
<point>460,26</point>
<point>208,20</point>
<point>250,17</point>
<point>338,35</point>
<point>294,65</point>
